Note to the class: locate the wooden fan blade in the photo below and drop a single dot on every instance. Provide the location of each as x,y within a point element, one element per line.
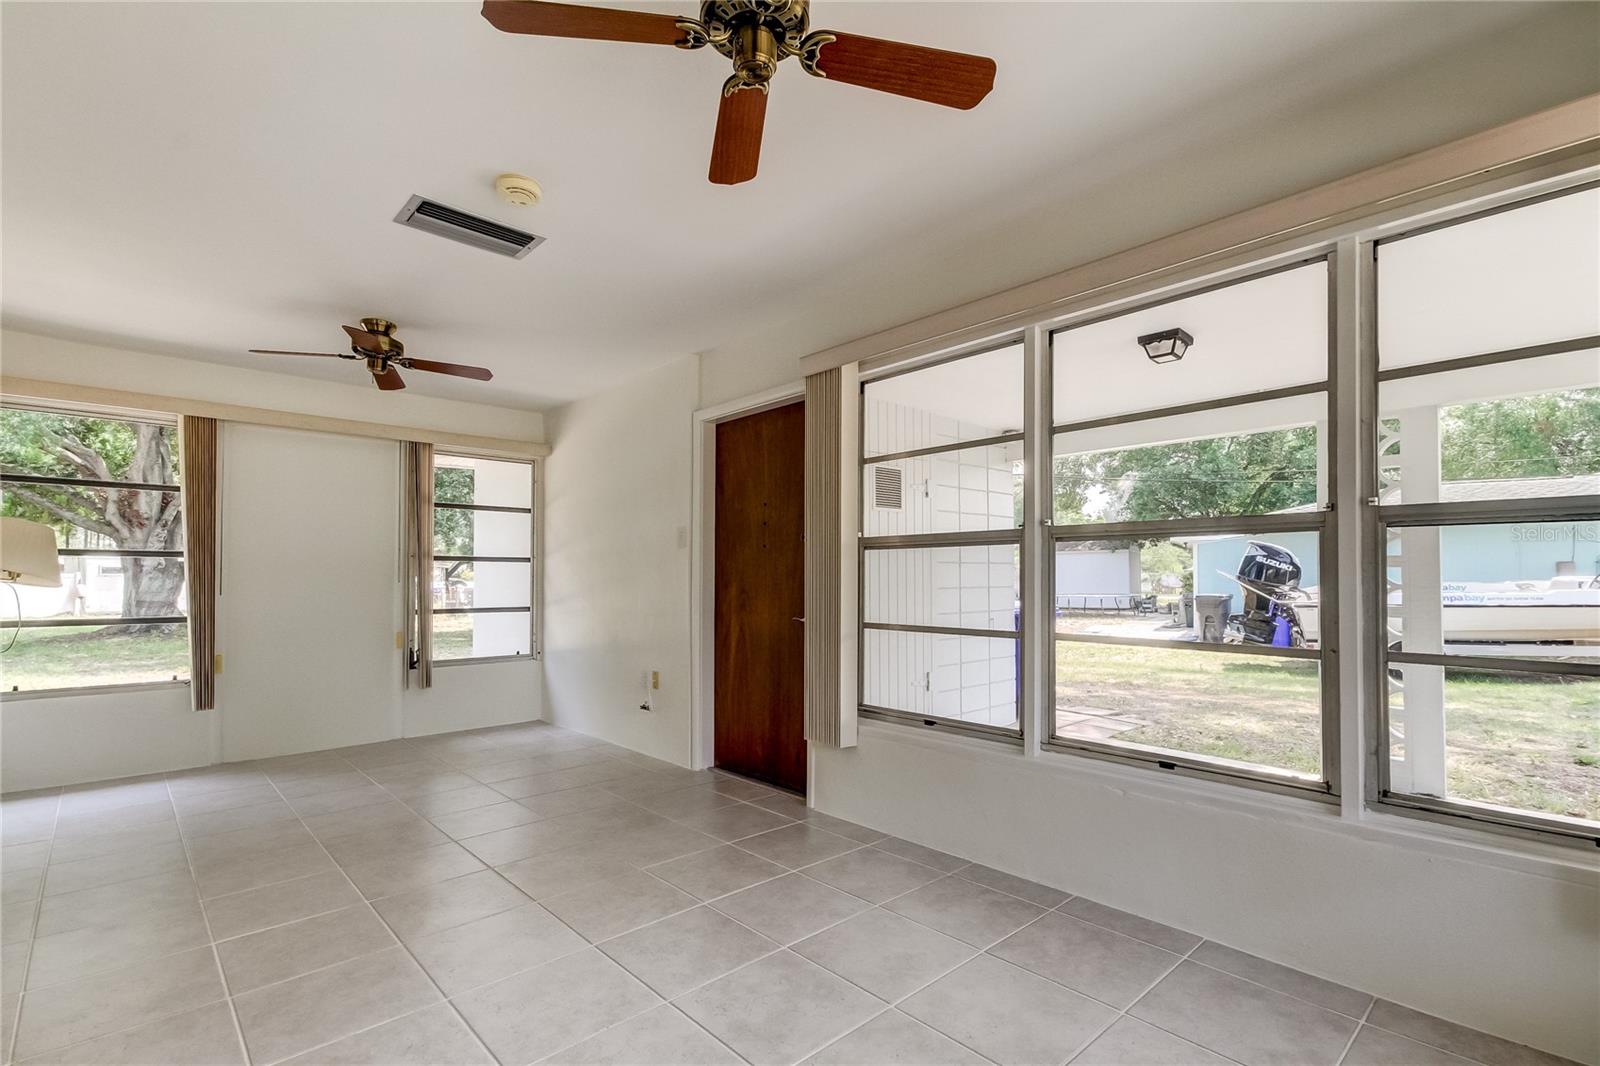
<point>389,380</point>
<point>578,20</point>
<point>736,150</point>
<point>369,342</point>
<point>274,351</point>
<point>460,370</point>
<point>953,79</point>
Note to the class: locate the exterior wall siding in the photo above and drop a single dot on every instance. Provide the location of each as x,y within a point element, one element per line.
<point>969,678</point>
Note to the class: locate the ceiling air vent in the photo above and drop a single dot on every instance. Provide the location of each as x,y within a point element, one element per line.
<point>433,217</point>
<point>888,488</point>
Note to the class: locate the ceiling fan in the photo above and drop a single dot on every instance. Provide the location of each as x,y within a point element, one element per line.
<point>757,35</point>
<point>376,343</point>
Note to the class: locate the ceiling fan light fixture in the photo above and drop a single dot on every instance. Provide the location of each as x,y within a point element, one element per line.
<point>756,36</point>
<point>1166,346</point>
<point>376,345</point>
<point>518,190</point>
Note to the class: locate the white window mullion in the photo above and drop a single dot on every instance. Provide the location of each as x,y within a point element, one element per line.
<point>1038,618</point>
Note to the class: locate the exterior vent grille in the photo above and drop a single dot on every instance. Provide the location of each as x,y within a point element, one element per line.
<point>430,216</point>
<point>888,488</point>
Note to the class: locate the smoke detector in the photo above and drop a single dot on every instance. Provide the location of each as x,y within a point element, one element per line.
<point>518,190</point>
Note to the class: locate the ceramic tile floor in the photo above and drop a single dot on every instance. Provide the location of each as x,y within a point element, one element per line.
<point>527,894</point>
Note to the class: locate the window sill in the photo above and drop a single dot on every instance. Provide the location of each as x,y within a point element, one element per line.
<point>90,690</point>
<point>1560,861</point>
<point>1193,768</point>
<point>486,659</point>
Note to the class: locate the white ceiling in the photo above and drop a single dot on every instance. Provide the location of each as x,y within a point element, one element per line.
<point>198,179</point>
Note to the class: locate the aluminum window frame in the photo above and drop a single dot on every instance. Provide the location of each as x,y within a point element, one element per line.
<point>1322,521</point>
<point>990,538</point>
<point>13,478</point>
<point>532,511</point>
<point>1381,518</point>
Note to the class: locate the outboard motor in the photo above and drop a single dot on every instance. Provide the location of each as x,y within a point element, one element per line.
<point>1270,578</point>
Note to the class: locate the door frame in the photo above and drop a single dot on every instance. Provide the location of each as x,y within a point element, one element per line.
<point>702,567</point>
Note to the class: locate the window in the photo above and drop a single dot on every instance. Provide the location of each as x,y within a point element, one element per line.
<point>482,558</point>
<point>1186,562</point>
<point>1487,477</point>
<point>109,487</point>
<point>941,599</point>
<point>1191,519</point>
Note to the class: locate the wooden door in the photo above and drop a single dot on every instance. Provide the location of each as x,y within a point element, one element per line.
<point>760,596</point>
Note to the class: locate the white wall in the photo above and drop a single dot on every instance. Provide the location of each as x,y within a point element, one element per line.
<point>309,591</point>
<point>1460,932</point>
<point>616,562</point>
<point>473,696</point>
<point>1097,571</point>
<point>59,740</point>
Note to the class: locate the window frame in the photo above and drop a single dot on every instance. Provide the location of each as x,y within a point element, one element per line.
<point>992,538</point>
<point>1381,517</point>
<point>533,512</point>
<point>150,418</point>
<point>1323,522</point>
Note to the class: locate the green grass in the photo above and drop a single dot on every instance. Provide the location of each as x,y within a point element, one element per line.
<point>452,636</point>
<point>89,655</point>
<point>1524,741</point>
<point>1226,706</point>
<point>1527,742</point>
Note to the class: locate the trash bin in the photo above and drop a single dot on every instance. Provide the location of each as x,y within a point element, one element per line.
<point>1211,617</point>
<point>1188,610</point>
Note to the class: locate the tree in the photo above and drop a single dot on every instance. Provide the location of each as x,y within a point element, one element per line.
<point>1073,479</point>
<point>49,445</point>
<point>1248,473</point>
<point>1553,434</point>
<point>1162,558</point>
<point>453,527</point>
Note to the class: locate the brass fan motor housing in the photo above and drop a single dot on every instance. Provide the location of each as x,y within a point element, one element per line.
<point>390,346</point>
<point>755,56</point>
<point>787,21</point>
<point>757,35</point>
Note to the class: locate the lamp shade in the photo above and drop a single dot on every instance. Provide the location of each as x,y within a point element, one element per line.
<point>28,553</point>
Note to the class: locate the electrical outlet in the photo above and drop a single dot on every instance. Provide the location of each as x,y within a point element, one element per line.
<point>655,679</point>
<point>399,641</point>
<point>216,663</point>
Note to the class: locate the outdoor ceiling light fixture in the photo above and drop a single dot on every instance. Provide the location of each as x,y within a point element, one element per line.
<point>1166,346</point>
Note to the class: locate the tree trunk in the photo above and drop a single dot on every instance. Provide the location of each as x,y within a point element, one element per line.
<point>150,587</point>
<point>150,520</point>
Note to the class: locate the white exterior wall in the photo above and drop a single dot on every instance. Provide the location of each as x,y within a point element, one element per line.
<point>1097,571</point>
<point>502,584</point>
<point>970,678</point>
